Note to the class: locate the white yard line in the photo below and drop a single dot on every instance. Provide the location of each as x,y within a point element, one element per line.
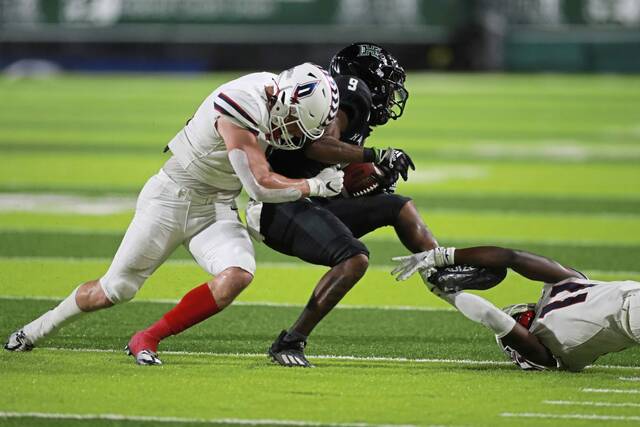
<point>334,357</point>
<point>181,420</point>
<point>611,390</point>
<point>598,404</point>
<point>629,378</point>
<point>255,304</point>
<point>571,416</point>
<point>313,356</point>
<point>64,203</point>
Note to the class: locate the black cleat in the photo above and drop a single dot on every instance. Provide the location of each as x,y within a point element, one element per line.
<point>289,353</point>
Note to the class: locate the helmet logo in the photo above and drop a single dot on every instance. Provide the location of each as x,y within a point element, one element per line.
<point>370,50</point>
<point>304,90</point>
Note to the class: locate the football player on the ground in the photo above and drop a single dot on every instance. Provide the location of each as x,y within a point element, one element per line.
<point>191,201</point>
<point>371,92</point>
<point>575,321</point>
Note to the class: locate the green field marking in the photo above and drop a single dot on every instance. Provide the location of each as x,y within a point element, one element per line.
<point>600,256</point>
<point>106,172</point>
<point>511,203</point>
<point>576,228</point>
<point>273,284</point>
<point>119,171</point>
<point>208,387</point>
<point>425,201</point>
<point>537,152</point>
<point>503,178</point>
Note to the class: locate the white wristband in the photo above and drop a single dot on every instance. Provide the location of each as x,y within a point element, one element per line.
<point>443,256</point>
<point>314,186</point>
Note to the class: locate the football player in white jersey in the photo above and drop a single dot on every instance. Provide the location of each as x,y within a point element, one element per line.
<point>191,201</point>
<point>575,321</point>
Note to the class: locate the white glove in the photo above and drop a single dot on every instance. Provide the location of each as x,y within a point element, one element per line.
<point>438,257</point>
<point>327,183</point>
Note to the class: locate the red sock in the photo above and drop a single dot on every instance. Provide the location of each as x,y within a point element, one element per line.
<point>197,305</point>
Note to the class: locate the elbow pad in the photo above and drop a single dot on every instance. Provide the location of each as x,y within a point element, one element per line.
<point>240,164</point>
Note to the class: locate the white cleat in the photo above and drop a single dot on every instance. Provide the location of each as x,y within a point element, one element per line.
<point>145,357</point>
<point>18,341</point>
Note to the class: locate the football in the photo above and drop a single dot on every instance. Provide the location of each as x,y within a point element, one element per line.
<point>361,179</point>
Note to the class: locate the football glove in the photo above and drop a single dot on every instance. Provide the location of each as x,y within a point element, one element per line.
<point>394,159</point>
<point>389,180</point>
<point>328,183</point>
<point>461,277</point>
<point>437,257</point>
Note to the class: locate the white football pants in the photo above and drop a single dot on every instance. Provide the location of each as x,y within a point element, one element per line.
<point>166,216</point>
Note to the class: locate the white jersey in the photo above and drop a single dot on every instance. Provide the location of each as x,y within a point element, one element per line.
<point>579,320</point>
<point>200,150</point>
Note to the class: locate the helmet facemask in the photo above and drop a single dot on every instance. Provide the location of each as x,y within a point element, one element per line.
<point>523,314</point>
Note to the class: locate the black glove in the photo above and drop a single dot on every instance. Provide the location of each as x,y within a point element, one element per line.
<point>389,179</point>
<point>457,278</point>
<point>394,159</point>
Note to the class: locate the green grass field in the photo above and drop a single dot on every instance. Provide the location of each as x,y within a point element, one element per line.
<point>545,163</point>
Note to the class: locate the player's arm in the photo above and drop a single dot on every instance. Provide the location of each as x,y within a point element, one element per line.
<point>329,149</point>
<point>531,266</point>
<point>251,166</point>
<point>512,334</point>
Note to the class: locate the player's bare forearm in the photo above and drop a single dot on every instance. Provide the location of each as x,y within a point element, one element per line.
<point>331,150</point>
<point>240,140</point>
<point>531,266</point>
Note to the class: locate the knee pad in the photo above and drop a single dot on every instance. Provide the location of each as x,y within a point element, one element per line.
<point>119,289</point>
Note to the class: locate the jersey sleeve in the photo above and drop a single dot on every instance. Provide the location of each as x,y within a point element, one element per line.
<point>238,106</point>
<point>355,98</point>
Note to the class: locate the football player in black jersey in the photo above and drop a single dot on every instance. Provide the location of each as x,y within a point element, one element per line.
<point>327,232</point>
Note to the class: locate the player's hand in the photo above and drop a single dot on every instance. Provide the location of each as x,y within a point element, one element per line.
<point>437,257</point>
<point>394,159</point>
<point>328,183</point>
<point>411,263</point>
<point>389,179</point>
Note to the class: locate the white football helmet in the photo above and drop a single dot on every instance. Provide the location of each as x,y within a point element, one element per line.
<point>305,95</point>
<point>524,314</point>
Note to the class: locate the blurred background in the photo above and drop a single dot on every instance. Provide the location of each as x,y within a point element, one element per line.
<point>211,35</point>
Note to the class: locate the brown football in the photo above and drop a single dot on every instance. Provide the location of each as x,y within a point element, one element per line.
<point>360,179</point>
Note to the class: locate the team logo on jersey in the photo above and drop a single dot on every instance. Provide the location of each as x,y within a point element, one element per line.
<point>304,90</point>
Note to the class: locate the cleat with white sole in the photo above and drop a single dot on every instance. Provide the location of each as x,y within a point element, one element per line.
<point>289,353</point>
<point>18,341</point>
<point>145,357</point>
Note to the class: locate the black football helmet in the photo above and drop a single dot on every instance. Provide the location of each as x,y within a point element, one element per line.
<point>382,74</point>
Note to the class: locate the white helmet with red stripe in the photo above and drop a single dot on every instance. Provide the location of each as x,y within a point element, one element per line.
<point>305,95</point>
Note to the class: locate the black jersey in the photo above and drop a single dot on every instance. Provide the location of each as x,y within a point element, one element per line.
<point>355,102</point>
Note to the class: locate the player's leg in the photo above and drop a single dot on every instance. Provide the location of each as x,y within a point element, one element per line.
<point>223,249</point>
<point>365,214</point>
<point>149,240</point>
<point>315,235</point>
